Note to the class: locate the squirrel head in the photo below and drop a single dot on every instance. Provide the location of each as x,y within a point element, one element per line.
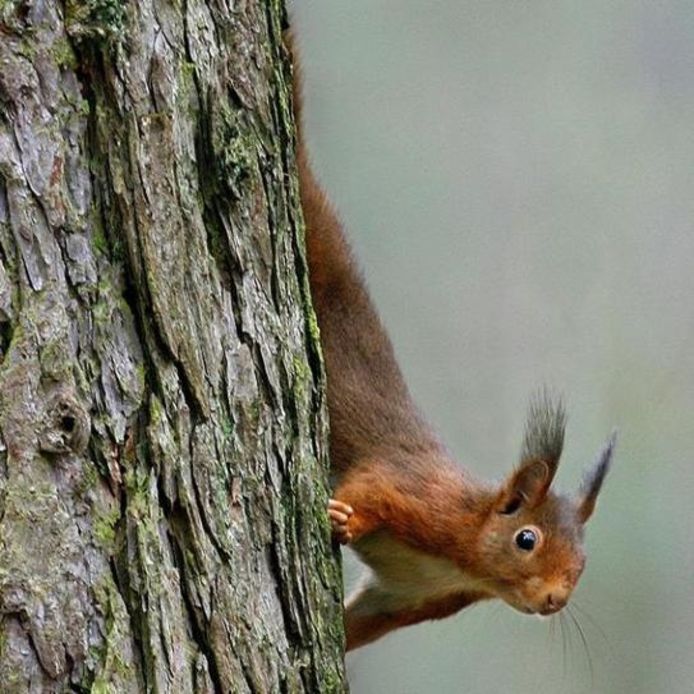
<point>531,544</point>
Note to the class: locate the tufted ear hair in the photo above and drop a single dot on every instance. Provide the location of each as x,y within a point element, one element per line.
<point>593,479</point>
<point>543,442</point>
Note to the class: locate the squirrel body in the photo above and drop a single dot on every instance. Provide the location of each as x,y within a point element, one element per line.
<point>434,538</point>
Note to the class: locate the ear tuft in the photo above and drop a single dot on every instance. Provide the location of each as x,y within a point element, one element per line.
<point>593,479</point>
<point>544,429</point>
<point>542,446</point>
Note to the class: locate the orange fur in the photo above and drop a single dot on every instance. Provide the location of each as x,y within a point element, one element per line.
<point>436,539</point>
<point>364,630</point>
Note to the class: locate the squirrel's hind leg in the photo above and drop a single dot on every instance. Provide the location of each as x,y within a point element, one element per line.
<point>365,617</point>
<point>371,613</point>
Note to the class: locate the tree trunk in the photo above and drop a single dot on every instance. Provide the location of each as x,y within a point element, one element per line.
<point>163,462</point>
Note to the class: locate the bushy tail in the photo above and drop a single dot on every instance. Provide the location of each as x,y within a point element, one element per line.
<point>333,271</point>
<point>367,396</point>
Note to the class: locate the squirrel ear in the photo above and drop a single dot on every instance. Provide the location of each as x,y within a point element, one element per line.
<point>592,481</point>
<point>526,486</point>
<point>542,446</point>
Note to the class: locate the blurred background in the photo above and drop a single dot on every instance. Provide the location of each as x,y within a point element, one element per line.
<point>518,182</point>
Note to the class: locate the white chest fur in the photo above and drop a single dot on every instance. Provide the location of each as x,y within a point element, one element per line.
<point>405,577</point>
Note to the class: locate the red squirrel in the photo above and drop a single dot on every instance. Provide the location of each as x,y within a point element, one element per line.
<point>435,538</point>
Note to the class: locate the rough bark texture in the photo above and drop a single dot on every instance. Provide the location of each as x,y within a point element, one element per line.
<point>162,472</point>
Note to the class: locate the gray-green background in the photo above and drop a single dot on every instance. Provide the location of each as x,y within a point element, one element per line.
<point>518,181</point>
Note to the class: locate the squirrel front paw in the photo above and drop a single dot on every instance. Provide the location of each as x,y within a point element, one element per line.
<point>340,514</point>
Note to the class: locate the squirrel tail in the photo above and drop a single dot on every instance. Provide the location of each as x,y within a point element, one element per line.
<point>333,270</point>
<point>367,396</point>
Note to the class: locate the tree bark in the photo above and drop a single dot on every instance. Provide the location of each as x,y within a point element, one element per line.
<point>164,440</point>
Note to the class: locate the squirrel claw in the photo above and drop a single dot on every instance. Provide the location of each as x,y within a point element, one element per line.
<point>339,514</point>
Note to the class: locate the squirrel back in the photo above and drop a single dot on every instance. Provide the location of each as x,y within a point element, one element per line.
<point>436,539</point>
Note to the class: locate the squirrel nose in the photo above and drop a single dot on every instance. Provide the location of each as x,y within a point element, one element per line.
<point>555,602</point>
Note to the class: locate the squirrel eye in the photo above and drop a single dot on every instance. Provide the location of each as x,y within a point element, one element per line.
<point>526,539</point>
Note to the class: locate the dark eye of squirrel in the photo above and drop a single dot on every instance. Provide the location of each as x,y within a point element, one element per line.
<point>526,539</point>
